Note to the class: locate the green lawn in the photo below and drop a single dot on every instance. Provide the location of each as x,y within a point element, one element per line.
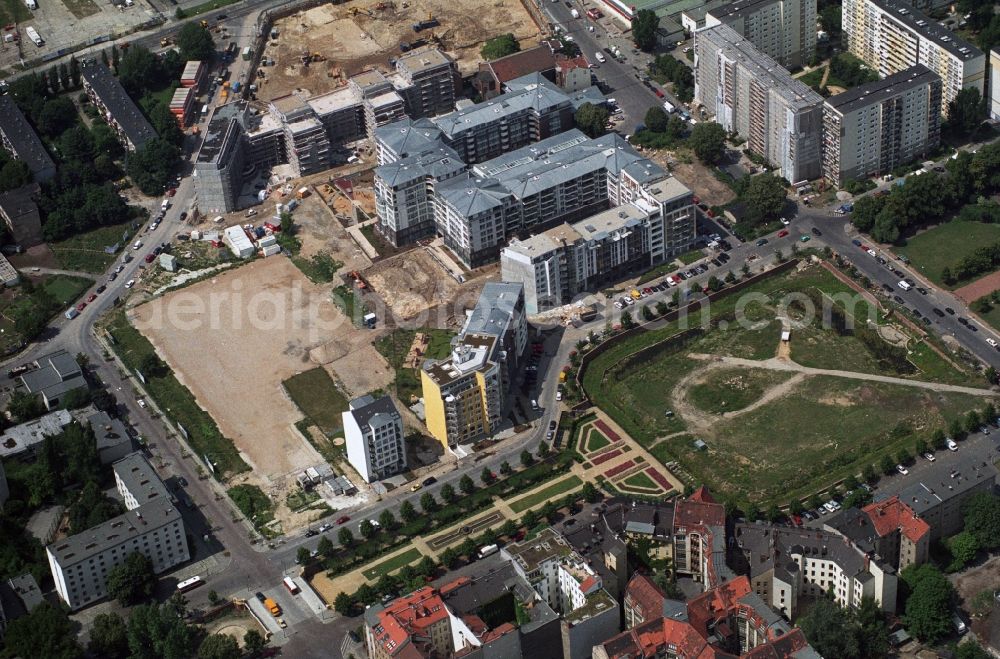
<point>396,345</point>
<point>688,258</point>
<point>66,289</point>
<point>395,563</point>
<point>546,493</point>
<point>931,366</point>
<point>203,435</point>
<point>946,245</point>
<point>640,481</point>
<point>813,78</point>
<point>595,440</point>
<point>164,95</point>
<point>316,394</point>
<point>731,389</point>
<point>85,252</point>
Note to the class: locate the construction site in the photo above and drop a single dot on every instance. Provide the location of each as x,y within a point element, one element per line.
<point>317,50</point>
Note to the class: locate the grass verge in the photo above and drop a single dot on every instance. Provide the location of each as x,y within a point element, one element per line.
<point>395,346</point>
<point>546,493</point>
<point>395,563</point>
<point>85,252</point>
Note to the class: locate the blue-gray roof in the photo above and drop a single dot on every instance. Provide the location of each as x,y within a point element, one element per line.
<point>539,95</point>
<point>120,105</point>
<point>469,196</point>
<point>24,141</point>
<point>438,163</point>
<point>408,136</point>
<point>495,309</point>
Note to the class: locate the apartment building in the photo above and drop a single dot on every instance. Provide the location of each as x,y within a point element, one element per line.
<point>785,30</point>
<point>373,432</point>
<point>493,75</point>
<point>872,129</point>
<point>341,113</point>
<point>753,96</point>
<point>786,565</point>
<point>937,498</point>
<point>152,526</point>
<point>889,529</point>
<point>892,36</point>
<point>404,138</point>
<point>994,101</point>
<point>57,375</point>
<point>565,581</point>
<point>729,620</point>
<point>116,107</point>
<point>465,394</point>
<point>20,214</point>
<point>307,145</point>
<point>430,82</point>
<point>567,260</point>
<point>21,141</point>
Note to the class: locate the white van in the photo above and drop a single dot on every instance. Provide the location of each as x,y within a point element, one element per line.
<point>904,285</point>
<point>165,205</point>
<point>958,624</point>
<point>600,57</point>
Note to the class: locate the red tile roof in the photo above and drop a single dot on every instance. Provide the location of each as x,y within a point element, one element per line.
<point>695,512</point>
<point>537,59</point>
<point>712,604</point>
<point>892,514</point>
<point>567,63</point>
<point>645,596</point>
<point>407,616</point>
<point>702,494</point>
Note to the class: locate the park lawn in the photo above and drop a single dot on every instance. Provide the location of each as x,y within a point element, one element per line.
<point>203,435</point>
<point>595,440</point>
<point>85,252</point>
<point>731,389</point>
<point>66,289</point>
<point>316,395</point>
<point>396,345</point>
<point>947,244</point>
<point>820,348</point>
<point>546,493</point>
<point>640,481</point>
<point>813,78</point>
<point>164,95</point>
<point>820,432</point>
<point>397,562</point>
<point>931,366</point>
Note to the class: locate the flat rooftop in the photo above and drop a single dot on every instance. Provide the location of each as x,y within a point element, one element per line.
<point>21,437</point>
<point>140,479</point>
<point>418,61</point>
<point>471,355</point>
<point>114,532</point>
<point>545,242</point>
<point>605,224</point>
<point>218,127</point>
<point>530,554</point>
<point>335,101</point>
<point>881,90</point>
<point>929,29</point>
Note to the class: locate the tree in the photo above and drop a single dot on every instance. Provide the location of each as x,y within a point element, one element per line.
<point>887,465</point>
<point>325,546</point>
<point>133,580</point>
<point>160,631</point>
<point>165,124</point>
<point>92,508</point>
<point>24,406</point>
<point>57,115</point>
<point>592,119</point>
<point>529,519</point>
<point>590,493</point>
<point>903,456</point>
<point>527,459</point>
<point>982,519</point>
<point>628,322</point>
<point>486,476</point>
<point>829,629</point>
<point>219,646</point>
<point>873,632</point>
<point>254,643</point>
<point>815,501</point>
<point>965,111</point>
<point>45,632</point>
<point>108,636</point>
<point>764,197</point>
<point>466,484</point>
<point>368,530</point>
<point>955,429</point>
<point>662,308</point>
<point>447,493</point>
<point>647,313</point>
<point>151,166</point>
<point>870,474</point>
<point>795,506</point>
<point>644,27</point>
<point>970,649</point>
<point>77,144</point>
<point>387,520</point>
<point>708,141</point>
<point>302,556</point>
<point>450,558</point>
<point>938,439</point>
<point>14,174</point>
<point>656,119</point>
<point>343,604</point>
<point>928,608</point>
<point>963,547</point>
<point>501,46</point>
<point>344,537</point>
<point>141,71</point>
<point>920,446</point>
<point>851,482</point>
<point>407,512</point>
<point>505,469</point>
<point>972,421</point>
<point>195,43</point>
<point>428,503</point>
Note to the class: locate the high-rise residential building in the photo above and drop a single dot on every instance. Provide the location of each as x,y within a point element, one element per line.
<point>891,36</point>
<point>21,141</point>
<point>753,96</point>
<point>307,144</point>
<point>116,107</point>
<point>872,129</point>
<point>465,394</point>
<point>994,104</point>
<point>152,526</point>
<point>567,260</point>
<point>373,432</point>
<point>785,30</point>
<point>430,79</point>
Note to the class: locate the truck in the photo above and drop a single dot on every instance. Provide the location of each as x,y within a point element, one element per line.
<point>487,550</point>
<point>247,52</point>
<point>669,107</point>
<point>272,606</point>
<point>34,36</point>
<point>574,13</point>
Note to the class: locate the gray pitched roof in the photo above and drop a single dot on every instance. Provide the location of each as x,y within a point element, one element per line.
<point>121,107</point>
<point>23,139</point>
<point>408,136</point>
<point>438,163</point>
<point>469,196</point>
<point>366,408</point>
<point>539,95</point>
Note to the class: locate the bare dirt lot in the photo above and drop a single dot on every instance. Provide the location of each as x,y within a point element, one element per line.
<point>979,288</point>
<point>696,176</point>
<point>351,43</point>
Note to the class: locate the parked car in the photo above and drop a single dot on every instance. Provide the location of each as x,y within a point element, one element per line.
<point>816,232</point>
<point>929,456</point>
<point>130,283</point>
<point>761,242</point>
<point>951,444</point>
<point>903,470</point>
<point>430,480</point>
<point>782,233</point>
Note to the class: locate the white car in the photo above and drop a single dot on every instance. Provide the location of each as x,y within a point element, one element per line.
<point>130,283</point>
<point>952,446</point>
<point>558,395</point>
<point>137,245</point>
<point>991,341</point>
<point>901,469</point>
<point>872,253</point>
<point>929,456</point>
<point>142,402</point>
<point>785,221</point>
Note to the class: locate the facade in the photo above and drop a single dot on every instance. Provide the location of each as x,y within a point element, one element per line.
<point>152,526</point>
<point>565,581</point>
<point>753,96</point>
<point>21,141</point>
<point>872,129</point>
<point>729,621</point>
<point>573,73</point>
<point>20,213</point>
<point>430,82</point>
<point>938,497</point>
<point>465,394</point>
<point>994,101</point>
<point>889,529</point>
<point>785,30</point>
<point>373,431</point>
<point>567,260</point>
<point>118,109</point>
<point>892,36</point>
<point>57,375</point>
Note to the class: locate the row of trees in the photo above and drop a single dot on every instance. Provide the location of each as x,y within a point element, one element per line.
<point>676,72</point>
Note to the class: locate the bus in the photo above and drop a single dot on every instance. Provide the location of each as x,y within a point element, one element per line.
<point>487,550</point>
<point>290,585</point>
<point>189,584</point>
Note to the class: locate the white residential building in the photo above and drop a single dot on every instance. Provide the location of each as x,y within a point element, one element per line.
<point>891,36</point>
<point>152,526</point>
<point>374,436</point>
<point>995,84</point>
<point>783,29</point>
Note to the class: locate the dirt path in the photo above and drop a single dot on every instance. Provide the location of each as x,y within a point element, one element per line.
<point>826,76</point>
<point>778,365</point>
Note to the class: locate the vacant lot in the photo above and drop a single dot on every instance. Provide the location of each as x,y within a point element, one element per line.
<point>412,284</point>
<point>316,394</point>
<point>947,244</point>
<point>731,389</point>
<point>85,252</point>
<point>397,346</point>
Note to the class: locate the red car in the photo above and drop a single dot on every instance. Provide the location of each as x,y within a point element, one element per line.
<point>658,93</point>
<point>343,520</point>
<point>93,296</point>
<point>782,233</point>
<point>171,192</point>
<point>81,306</point>
<point>150,257</point>
<point>647,291</point>
<point>797,520</point>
